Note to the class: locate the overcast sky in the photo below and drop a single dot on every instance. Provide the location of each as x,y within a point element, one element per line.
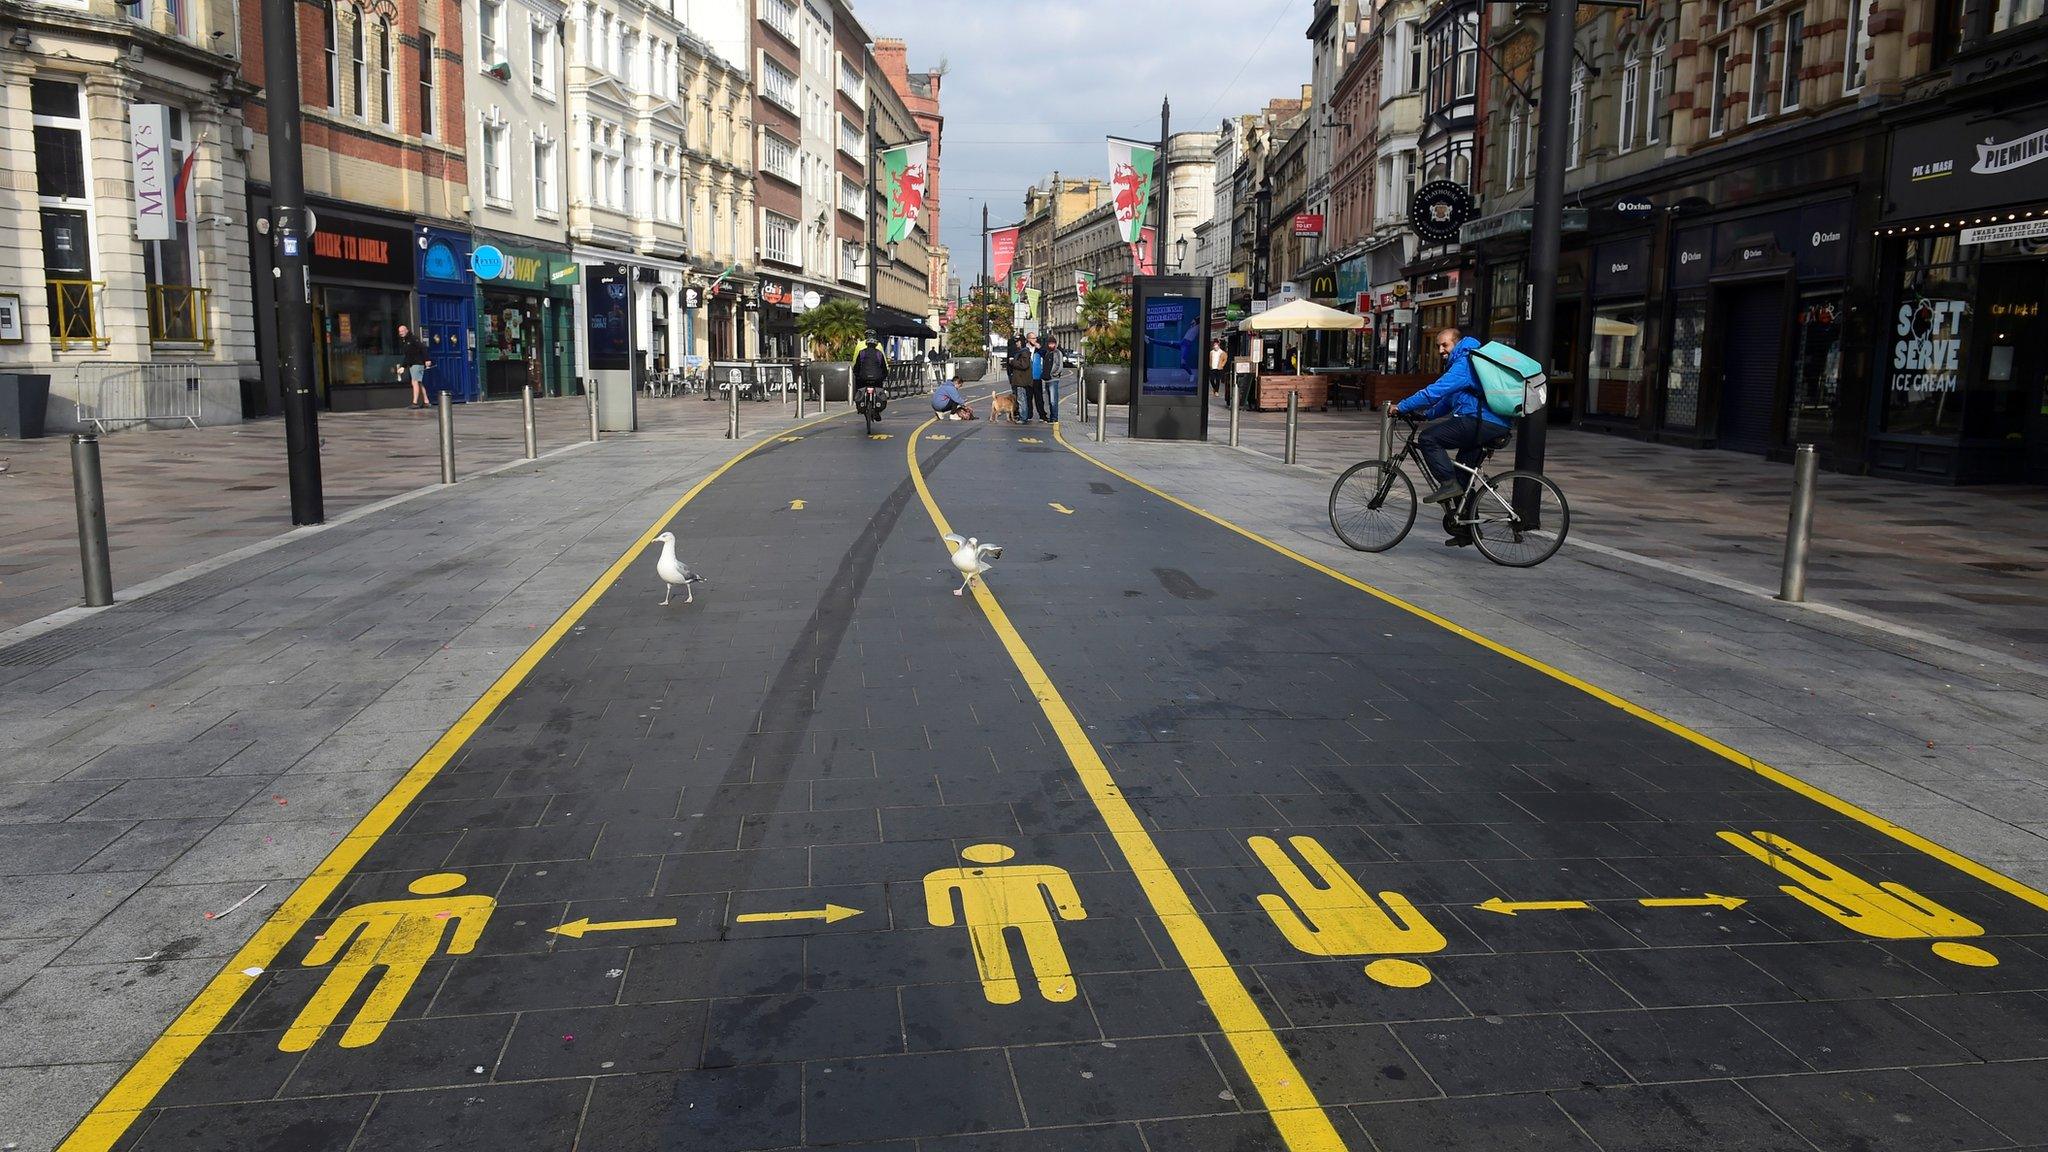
<point>1034,87</point>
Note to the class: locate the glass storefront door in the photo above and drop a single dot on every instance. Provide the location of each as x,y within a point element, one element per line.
<point>512,335</point>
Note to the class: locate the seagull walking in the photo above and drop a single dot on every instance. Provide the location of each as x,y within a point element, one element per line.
<point>971,557</point>
<point>673,571</point>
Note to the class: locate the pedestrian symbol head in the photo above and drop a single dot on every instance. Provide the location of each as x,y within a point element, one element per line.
<point>437,883</point>
<point>987,853</point>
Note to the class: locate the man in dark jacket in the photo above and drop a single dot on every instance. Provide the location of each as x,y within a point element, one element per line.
<point>870,367</point>
<point>1023,350</point>
<point>1051,361</point>
<point>1464,422</point>
<point>413,362</point>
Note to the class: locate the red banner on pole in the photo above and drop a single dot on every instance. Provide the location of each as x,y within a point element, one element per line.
<point>1002,252</point>
<point>1143,256</point>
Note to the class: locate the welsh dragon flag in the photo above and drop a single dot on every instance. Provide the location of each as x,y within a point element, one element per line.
<point>1084,283</point>
<point>1130,182</point>
<point>903,177</point>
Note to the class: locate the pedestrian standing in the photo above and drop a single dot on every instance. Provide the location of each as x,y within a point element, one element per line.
<point>1018,365</point>
<point>413,363</point>
<point>1055,363</point>
<point>1035,392</point>
<point>1219,360</point>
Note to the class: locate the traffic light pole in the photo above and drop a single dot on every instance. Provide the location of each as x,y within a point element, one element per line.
<point>1546,232</point>
<point>289,237</point>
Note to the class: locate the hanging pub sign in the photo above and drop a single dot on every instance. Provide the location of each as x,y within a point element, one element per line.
<point>1967,162</point>
<point>1439,209</point>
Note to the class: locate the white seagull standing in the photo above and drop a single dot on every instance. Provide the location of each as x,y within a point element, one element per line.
<point>673,571</point>
<point>971,557</point>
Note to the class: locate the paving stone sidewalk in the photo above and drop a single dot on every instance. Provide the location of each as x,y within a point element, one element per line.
<point>175,756</point>
<point>1968,563</point>
<point>179,496</point>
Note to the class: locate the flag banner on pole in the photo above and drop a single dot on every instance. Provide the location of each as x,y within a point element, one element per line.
<point>1002,252</point>
<point>1084,283</point>
<point>903,177</point>
<point>1020,282</point>
<point>1031,297</point>
<point>1130,181</point>
<point>1144,254</point>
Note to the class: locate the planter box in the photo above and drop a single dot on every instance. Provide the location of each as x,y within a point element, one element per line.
<point>969,371</point>
<point>829,379</point>
<point>1116,376</point>
<point>1273,390</point>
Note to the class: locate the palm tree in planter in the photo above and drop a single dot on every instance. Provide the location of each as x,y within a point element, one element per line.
<point>834,330</point>
<point>1106,343</point>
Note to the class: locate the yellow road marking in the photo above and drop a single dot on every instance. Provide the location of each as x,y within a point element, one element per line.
<point>1871,820</point>
<point>1296,1112</point>
<point>998,898</point>
<point>830,914</point>
<point>1507,908</point>
<point>578,929</point>
<point>1029,440</point>
<point>796,505</point>
<point>111,1117</point>
<point>1062,509</point>
<point>879,435</point>
<point>1885,910</point>
<point>1333,915</point>
<point>789,439</point>
<point>395,938</point>
<point>1708,901</point>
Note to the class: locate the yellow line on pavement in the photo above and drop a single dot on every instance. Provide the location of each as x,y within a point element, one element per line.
<point>1911,839</point>
<point>1303,1124</point>
<point>111,1117</point>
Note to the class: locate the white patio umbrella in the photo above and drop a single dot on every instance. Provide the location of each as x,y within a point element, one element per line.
<point>1302,316</point>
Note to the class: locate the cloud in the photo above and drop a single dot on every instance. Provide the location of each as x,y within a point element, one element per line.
<point>1033,88</point>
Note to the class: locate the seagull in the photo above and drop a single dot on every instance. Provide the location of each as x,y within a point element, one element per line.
<point>971,557</point>
<point>673,571</point>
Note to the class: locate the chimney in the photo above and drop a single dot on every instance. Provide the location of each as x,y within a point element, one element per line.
<point>890,58</point>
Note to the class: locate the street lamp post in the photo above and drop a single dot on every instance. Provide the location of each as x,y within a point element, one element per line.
<point>289,237</point>
<point>1546,230</point>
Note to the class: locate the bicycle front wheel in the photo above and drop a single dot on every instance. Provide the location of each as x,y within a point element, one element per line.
<point>1372,506</point>
<point>1520,519</point>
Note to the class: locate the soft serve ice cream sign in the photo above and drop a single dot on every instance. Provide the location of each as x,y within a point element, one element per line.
<point>1928,350</point>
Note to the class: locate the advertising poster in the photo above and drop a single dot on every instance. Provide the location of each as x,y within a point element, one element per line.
<point>1173,346</point>
<point>610,316</point>
<point>1002,252</point>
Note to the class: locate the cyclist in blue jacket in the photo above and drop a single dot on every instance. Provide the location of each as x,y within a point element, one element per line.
<point>1458,403</point>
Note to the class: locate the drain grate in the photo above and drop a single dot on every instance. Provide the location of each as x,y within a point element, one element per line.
<point>188,594</point>
<point>50,647</point>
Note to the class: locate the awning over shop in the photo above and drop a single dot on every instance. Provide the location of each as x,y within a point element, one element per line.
<point>887,321</point>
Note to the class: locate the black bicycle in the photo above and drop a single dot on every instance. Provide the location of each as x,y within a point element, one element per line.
<point>1518,519</point>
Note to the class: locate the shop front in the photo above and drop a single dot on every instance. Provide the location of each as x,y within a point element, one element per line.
<point>447,312</point>
<point>362,272</point>
<point>526,302</point>
<point>1963,353</point>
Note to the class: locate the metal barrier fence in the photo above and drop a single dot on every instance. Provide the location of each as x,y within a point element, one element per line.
<point>109,393</point>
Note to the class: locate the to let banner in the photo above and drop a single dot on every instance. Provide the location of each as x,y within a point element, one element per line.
<point>1002,252</point>
<point>1130,182</point>
<point>903,178</point>
<point>149,158</point>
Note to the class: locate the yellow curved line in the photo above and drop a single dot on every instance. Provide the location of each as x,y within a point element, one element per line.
<point>111,1117</point>
<point>1296,1112</point>
<point>1911,839</point>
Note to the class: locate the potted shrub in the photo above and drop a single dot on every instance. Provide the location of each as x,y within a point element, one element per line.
<point>1106,344</point>
<point>834,330</point>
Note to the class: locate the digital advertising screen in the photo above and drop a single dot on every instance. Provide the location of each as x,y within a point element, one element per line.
<point>1173,346</point>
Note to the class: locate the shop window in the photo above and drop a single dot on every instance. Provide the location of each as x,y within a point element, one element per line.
<point>1614,370</point>
<point>1504,303</point>
<point>2010,342</point>
<point>66,215</point>
<point>1435,318</point>
<point>358,329</point>
<point>1927,330</point>
<point>1688,348</point>
<point>177,307</point>
<point>1816,369</point>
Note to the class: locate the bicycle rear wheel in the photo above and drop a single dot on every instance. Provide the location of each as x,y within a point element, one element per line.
<point>1372,506</point>
<point>1522,521</point>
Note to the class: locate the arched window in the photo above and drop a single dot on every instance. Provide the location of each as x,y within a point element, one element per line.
<point>1631,99</point>
<point>1660,87</point>
<point>358,62</point>
<point>1512,154</point>
<point>1575,132</point>
<point>384,71</point>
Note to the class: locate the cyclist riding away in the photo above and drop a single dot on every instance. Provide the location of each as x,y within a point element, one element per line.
<point>1464,422</point>
<point>870,377</point>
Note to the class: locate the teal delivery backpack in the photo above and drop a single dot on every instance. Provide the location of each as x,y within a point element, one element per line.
<point>1514,384</point>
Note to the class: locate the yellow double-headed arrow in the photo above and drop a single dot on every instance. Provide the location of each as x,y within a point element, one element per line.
<point>1512,907</point>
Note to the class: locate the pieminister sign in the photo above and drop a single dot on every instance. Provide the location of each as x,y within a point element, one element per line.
<point>1967,163</point>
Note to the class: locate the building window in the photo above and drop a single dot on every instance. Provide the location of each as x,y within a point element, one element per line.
<point>1631,92</point>
<point>1512,154</point>
<point>1795,61</point>
<point>1411,38</point>
<point>852,198</point>
<point>1660,83</point>
<point>497,183</point>
<point>778,237</point>
<point>622,64</point>
<point>384,72</point>
<point>850,268</point>
<point>849,139</point>
<point>1717,111</point>
<point>778,85</point>
<point>542,47</point>
<point>1576,120</point>
<point>177,307</point>
<point>1761,42</point>
<point>1852,57</point>
<point>1816,370</point>
<point>544,176</point>
<point>1724,15</point>
<point>331,39</point>
<point>778,158</point>
<point>359,63</point>
<point>851,81</point>
<point>490,33</point>
<point>781,16</point>
<point>2013,13</point>
<point>426,83</point>
<point>61,159</point>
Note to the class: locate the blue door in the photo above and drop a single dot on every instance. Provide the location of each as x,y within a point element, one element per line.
<point>449,324</point>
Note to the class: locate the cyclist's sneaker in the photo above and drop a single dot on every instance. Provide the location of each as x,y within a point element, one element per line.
<point>1442,494</point>
<point>1459,540</point>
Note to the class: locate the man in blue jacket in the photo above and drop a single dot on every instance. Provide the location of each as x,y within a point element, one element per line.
<point>1456,394</point>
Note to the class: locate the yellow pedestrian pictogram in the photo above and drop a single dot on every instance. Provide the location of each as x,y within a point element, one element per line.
<point>1029,440</point>
<point>1885,910</point>
<point>796,505</point>
<point>1024,898</point>
<point>1339,918</point>
<point>398,936</point>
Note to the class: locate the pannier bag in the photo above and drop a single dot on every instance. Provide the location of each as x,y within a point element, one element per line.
<point>1514,384</point>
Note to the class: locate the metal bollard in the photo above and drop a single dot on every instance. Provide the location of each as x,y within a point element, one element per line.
<point>799,395</point>
<point>1799,525</point>
<point>526,412</point>
<point>590,393</point>
<point>732,417</point>
<point>1101,410</point>
<point>1293,422</point>
<point>445,414</point>
<point>1234,401</point>
<point>91,497</point>
<point>1386,431</point>
<point>1080,397</point>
